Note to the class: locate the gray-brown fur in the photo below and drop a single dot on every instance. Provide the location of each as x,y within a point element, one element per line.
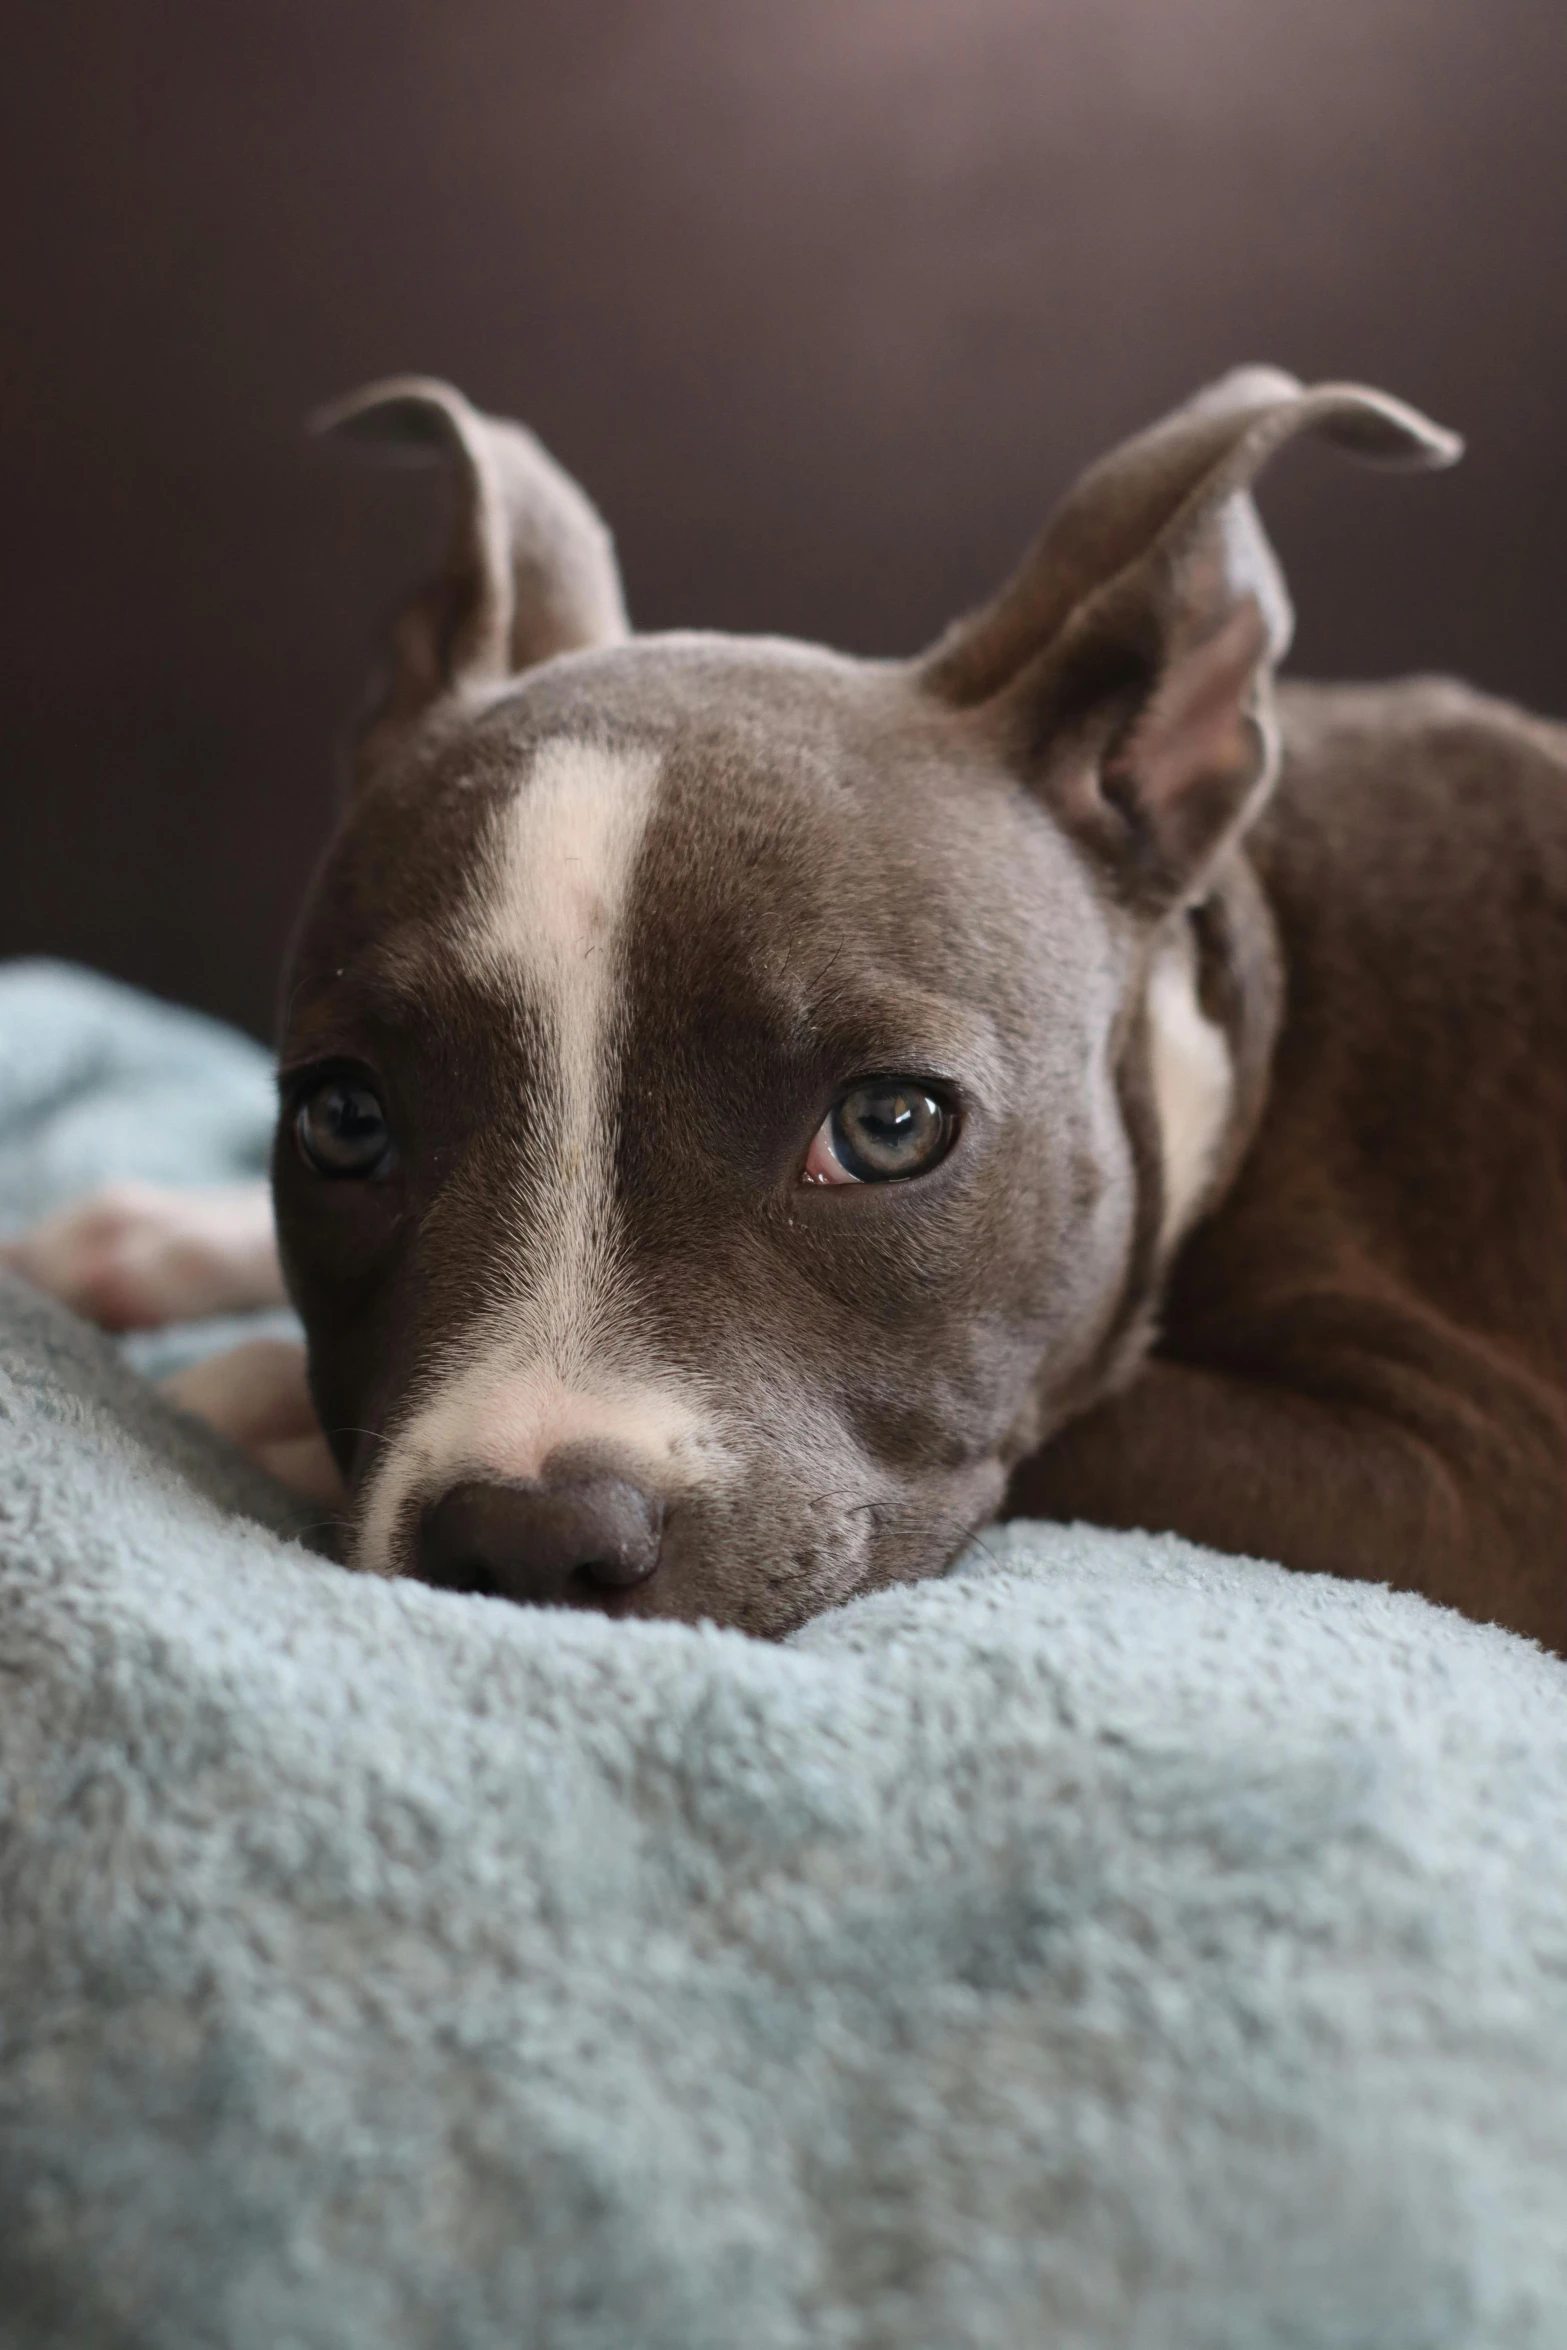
<point>964,867</point>
<point>1363,1365</point>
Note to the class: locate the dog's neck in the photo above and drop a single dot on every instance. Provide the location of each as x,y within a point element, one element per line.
<point>1239,985</point>
<point>1196,1058</point>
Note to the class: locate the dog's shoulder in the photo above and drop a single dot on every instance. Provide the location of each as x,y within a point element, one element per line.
<point>1425,819</point>
<point>1402,760</point>
<point>1415,860</point>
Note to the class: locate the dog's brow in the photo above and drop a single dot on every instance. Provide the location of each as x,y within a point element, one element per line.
<point>918,1029</point>
<point>385,985</point>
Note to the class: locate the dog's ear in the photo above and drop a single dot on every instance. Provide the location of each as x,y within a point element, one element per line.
<point>530,570</point>
<point>1129,658</point>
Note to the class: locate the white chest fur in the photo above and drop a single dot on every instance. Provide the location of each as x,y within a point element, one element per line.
<point>1193,1082</point>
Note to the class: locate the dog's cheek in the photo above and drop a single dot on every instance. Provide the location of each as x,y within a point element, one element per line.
<point>885,1437</point>
<point>336,1240</point>
<point>351,1344</point>
<point>339,1248</point>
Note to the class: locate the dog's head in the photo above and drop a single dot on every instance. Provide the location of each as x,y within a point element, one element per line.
<point>737,1099</point>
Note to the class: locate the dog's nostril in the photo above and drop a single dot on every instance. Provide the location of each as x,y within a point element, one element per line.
<point>579,1541</point>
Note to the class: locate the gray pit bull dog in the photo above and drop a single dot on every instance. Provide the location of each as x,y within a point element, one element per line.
<point>749,1114</point>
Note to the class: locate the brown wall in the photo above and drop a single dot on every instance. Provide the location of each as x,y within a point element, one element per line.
<point>822,298</point>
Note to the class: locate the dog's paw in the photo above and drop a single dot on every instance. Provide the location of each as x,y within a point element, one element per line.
<point>256,1395</point>
<point>134,1256</point>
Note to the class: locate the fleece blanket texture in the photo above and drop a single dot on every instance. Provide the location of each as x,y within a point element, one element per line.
<point>1108,1944</point>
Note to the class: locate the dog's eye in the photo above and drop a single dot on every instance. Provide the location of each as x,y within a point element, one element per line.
<point>881,1132</point>
<point>341,1128</point>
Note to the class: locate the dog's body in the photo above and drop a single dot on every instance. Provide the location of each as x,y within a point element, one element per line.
<point>742,1105</point>
<point>1362,1365</point>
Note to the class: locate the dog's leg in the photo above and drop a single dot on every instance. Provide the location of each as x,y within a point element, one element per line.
<point>256,1395</point>
<point>134,1256</point>
<point>1472,1514</point>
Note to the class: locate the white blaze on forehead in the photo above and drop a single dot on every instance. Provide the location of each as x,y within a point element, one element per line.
<point>548,927</point>
<point>554,895</point>
<point>549,1366</point>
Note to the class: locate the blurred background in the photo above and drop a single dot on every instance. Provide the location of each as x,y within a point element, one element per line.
<point>824,300</point>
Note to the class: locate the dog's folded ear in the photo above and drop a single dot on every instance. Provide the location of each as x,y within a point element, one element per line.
<point>530,570</point>
<point>1128,660</point>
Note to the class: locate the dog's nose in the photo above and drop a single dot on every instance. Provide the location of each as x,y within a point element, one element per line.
<point>584,1541</point>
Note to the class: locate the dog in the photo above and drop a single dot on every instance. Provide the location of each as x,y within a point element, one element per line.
<point>748,1114</point>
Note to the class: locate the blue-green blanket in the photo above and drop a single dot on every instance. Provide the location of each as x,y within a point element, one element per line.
<point>1108,1944</point>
